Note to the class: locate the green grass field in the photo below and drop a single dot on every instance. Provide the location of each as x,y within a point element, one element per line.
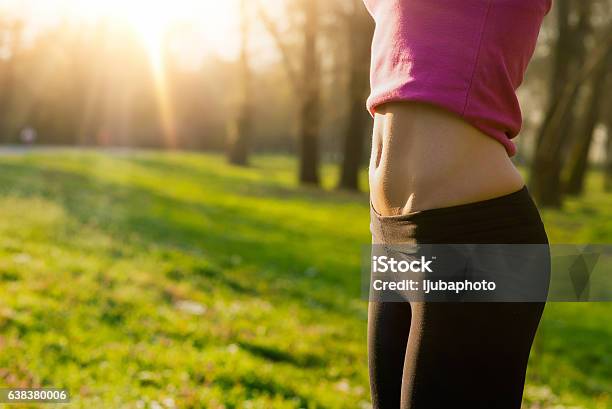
<point>171,280</point>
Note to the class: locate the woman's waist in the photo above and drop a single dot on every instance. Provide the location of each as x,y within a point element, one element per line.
<point>430,158</point>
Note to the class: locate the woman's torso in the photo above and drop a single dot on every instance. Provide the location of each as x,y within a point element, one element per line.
<point>443,77</point>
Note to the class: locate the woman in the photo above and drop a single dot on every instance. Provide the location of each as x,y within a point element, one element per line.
<point>443,78</point>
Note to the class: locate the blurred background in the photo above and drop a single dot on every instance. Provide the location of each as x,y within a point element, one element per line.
<point>183,200</point>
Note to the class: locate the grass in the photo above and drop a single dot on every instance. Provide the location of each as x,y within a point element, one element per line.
<point>172,280</point>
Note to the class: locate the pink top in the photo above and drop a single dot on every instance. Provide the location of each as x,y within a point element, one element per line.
<point>468,56</point>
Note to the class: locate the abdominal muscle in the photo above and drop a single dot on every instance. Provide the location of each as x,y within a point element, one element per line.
<point>424,157</point>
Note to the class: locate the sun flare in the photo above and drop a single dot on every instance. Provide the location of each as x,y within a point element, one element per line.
<point>214,21</point>
<point>150,19</point>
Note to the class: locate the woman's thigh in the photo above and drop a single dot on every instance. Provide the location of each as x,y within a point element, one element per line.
<point>468,354</point>
<point>388,331</point>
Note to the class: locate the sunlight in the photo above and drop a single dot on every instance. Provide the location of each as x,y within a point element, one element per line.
<point>150,19</point>
<point>208,26</point>
<point>215,21</point>
<point>181,33</point>
<point>153,19</point>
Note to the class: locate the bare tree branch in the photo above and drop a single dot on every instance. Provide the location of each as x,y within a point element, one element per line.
<point>272,29</point>
<point>570,91</point>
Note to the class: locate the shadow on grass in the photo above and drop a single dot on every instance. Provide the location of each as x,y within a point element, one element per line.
<point>207,277</point>
<point>256,385</point>
<point>241,186</point>
<point>277,355</point>
<point>144,218</point>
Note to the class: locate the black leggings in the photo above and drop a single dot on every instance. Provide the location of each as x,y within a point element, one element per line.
<point>426,355</point>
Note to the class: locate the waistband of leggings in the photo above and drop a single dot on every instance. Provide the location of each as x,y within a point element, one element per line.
<point>511,200</point>
<point>511,218</point>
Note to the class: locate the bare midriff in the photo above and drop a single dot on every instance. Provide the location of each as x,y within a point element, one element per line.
<point>425,157</point>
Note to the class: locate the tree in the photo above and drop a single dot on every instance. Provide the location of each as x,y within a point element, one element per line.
<point>306,84</point>
<point>239,133</point>
<point>553,137</point>
<point>579,156</point>
<point>560,112</point>
<point>608,122</point>
<point>10,41</point>
<point>360,31</point>
<point>310,117</point>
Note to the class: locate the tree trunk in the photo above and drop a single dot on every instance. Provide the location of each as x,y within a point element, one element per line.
<point>580,154</point>
<point>545,176</point>
<point>13,31</point>
<point>310,98</point>
<point>608,169</point>
<point>608,123</point>
<point>360,30</point>
<point>545,183</point>
<point>7,87</point>
<point>306,86</point>
<point>239,138</point>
